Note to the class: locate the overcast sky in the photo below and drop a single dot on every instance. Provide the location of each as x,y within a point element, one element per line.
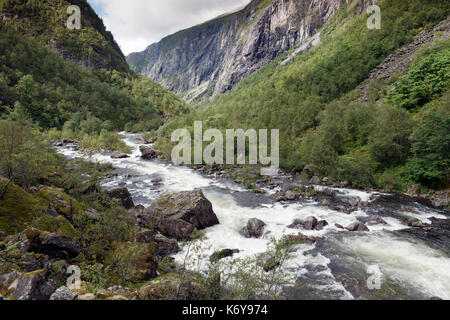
<point>136,24</point>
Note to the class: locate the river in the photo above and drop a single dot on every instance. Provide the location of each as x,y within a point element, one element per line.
<point>337,266</point>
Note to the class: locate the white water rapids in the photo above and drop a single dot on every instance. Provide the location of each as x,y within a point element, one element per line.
<point>422,270</point>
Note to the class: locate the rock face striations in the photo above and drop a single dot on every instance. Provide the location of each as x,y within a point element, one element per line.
<point>211,58</point>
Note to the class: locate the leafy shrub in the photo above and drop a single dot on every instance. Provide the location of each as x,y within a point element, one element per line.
<point>431,146</point>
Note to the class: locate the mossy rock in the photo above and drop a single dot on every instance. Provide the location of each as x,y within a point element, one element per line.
<point>18,208</point>
<point>64,204</point>
<point>134,262</point>
<point>58,225</point>
<point>167,287</point>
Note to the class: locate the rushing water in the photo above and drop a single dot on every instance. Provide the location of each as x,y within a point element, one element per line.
<point>420,268</point>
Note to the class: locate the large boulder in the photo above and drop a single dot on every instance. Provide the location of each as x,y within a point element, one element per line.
<point>253,229</point>
<point>64,293</point>
<point>376,220</point>
<point>165,246</point>
<point>54,246</point>
<point>357,226</point>
<point>310,223</point>
<point>415,223</point>
<point>119,155</point>
<point>123,195</point>
<point>27,286</point>
<point>178,215</point>
<point>148,153</point>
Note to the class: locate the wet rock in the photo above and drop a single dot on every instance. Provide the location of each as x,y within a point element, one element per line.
<point>309,223</point>
<point>376,220</point>
<point>177,215</point>
<point>56,247</point>
<point>271,264</point>
<point>253,229</point>
<point>119,155</point>
<point>290,195</point>
<point>123,195</point>
<point>156,181</point>
<point>148,153</point>
<point>315,180</point>
<point>321,224</point>
<point>435,298</point>
<point>415,223</point>
<point>325,203</point>
<point>357,226</point>
<point>340,208</point>
<point>354,202</point>
<point>63,293</point>
<point>337,225</point>
<point>218,255</point>
<point>298,239</point>
<point>413,191</point>
<point>440,203</point>
<point>166,246</point>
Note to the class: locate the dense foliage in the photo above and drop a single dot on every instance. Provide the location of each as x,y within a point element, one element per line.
<point>52,90</point>
<point>46,20</point>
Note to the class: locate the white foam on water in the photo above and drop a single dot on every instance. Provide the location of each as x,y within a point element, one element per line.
<point>413,264</point>
<point>365,196</point>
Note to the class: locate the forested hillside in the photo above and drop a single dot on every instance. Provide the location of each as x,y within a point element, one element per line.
<point>51,89</point>
<point>45,20</point>
<point>398,137</point>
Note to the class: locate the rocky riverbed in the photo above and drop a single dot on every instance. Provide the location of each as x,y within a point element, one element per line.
<point>345,233</point>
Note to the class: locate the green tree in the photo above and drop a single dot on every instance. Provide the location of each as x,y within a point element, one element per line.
<point>431,146</point>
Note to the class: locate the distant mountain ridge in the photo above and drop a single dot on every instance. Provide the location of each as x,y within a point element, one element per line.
<point>213,57</point>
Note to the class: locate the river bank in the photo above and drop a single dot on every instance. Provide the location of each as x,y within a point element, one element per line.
<point>411,249</point>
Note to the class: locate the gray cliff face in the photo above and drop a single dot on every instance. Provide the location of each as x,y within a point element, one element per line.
<point>213,57</point>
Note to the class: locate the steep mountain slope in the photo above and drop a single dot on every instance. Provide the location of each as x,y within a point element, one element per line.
<point>398,136</point>
<point>213,57</point>
<point>91,46</point>
<point>53,74</point>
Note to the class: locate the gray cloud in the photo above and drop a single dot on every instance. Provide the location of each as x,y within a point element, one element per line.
<point>138,23</point>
